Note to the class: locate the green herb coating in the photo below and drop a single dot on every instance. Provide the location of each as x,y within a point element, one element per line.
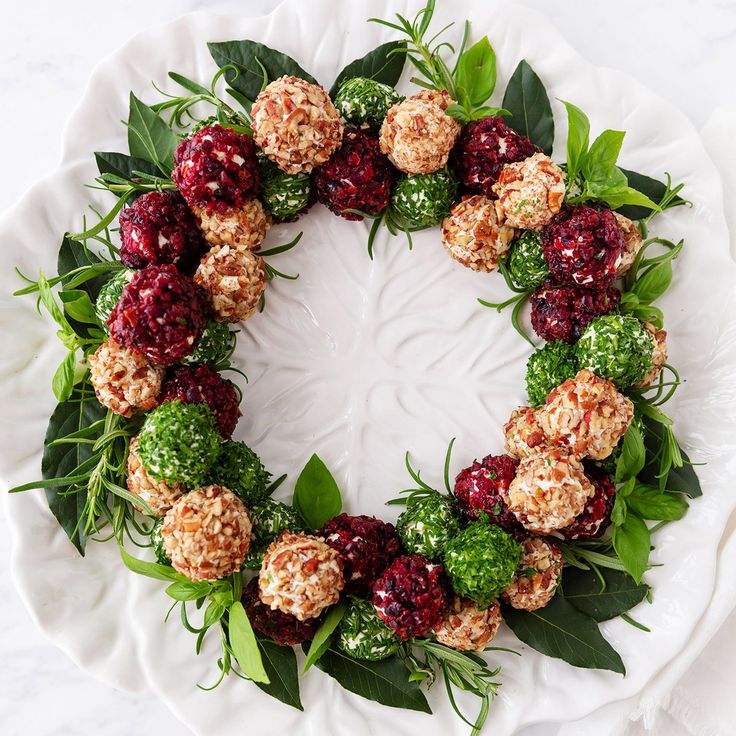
<point>427,525</point>
<point>241,470</point>
<point>109,294</point>
<point>157,542</point>
<point>424,200</point>
<point>179,443</point>
<point>269,518</point>
<point>481,560</point>
<point>283,195</point>
<point>362,634</point>
<point>547,368</point>
<point>526,262</point>
<point>215,347</point>
<point>617,347</point>
<point>363,101</point>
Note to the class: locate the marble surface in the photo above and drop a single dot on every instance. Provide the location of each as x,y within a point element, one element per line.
<point>680,48</point>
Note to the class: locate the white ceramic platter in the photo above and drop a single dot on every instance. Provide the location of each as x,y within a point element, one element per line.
<point>360,360</point>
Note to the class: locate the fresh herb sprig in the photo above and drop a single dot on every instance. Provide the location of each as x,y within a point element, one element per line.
<point>421,488</point>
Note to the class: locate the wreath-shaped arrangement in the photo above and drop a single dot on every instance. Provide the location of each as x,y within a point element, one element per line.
<point>550,538</point>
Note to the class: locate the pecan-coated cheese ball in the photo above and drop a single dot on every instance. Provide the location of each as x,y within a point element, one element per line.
<point>522,434</point>
<point>468,627</point>
<point>659,355</point>
<point>206,533</point>
<point>538,576</point>
<point>158,494</point>
<point>633,243</point>
<point>295,124</point>
<point>234,280</point>
<point>124,381</point>
<point>417,135</point>
<point>244,226</point>
<point>300,575</point>
<point>530,192</point>
<point>472,234</point>
<point>550,489</point>
<point>587,415</point>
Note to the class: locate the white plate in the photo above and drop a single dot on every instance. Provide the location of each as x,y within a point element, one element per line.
<point>360,360</point>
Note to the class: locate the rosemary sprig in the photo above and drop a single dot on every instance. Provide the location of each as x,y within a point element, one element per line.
<point>422,489</point>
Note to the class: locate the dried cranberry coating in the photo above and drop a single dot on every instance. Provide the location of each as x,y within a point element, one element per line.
<point>411,595</point>
<point>583,246</point>
<point>357,176</point>
<point>596,516</point>
<point>158,228</point>
<point>366,545</point>
<point>283,628</point>
<point>561,312</point>
<point>201,385</point>
<point>482,486</point>
<point>216,169</point>
<point>161,314</point>
<point>485,146</point>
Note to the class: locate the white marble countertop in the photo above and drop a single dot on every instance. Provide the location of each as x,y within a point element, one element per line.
<point>683,49</point>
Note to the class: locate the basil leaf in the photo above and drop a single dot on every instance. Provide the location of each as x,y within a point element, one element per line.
<point>475,75</point>
<point>149,137</point>
<point>214,612</point>
<point>531,113</point>
<point>585,591</point>
<point>681,480</point>
<point>62,384</point>
<point>649,502</point>
<point>578,135</point>
<point>562,631</point>
<point>619,510</point>
<point>244,644</point>
<point>188,591</point>
<point>280,665</point>
<point>151,569</point>
<point>78,306</point>
<point>321,642</point>
<point>250,58</point>
<point>123,165</point>
<point>633,454</point>
<point>654,282</point>
<point>316,495</point>
<point>600,162</point>
<point>385,64</point>
<point>632,543</point>
<point>385,681</point>
<point>652,188</point>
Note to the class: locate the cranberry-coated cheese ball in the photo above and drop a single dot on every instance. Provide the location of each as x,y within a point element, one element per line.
<point>530,192</point>
<point>300,575</point>
<point>587,415</point>
<point>234,280</point>
<point>124,381</point>
<point>159,495</point>
<point>243,227</point>
<point>206,533</point>
<point>633,243</point>
<point>659,354</point>
<point>522,433</point>
<point>417,134</point>
<point>550,489</point>
<point>296,125</point>
<point>467,627</point>
<point>536,580</point>
<point>472,234</point>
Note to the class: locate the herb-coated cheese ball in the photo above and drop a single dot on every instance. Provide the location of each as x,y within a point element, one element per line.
<point>472,234</point>
<point>124,381</point>
<point>530,192</point>
<point>536,580</point>
<point>240,469</point>
<point>659,355</point>
<point>633,243</point>
<point>481,560</point>
<point>523,436</point>
<point>411,596</point>
<point>427,525</point>
<point>365,102</point>
<point>300,575</point>
<point>617,347</point>
<point>241,227</point>
<point>525,261</point>
<point>269,518</point>
<point>547,368</point>
<point>550,489</point>
<point>468,627</point>
<point>295,124</point>
<point>215,347</point>
<point>596,516</point>
<point>157,542</point>
<point>587,415</point>
<point>159,495</point>
<point>179,443</point>
<point>363,635</point>
<point>425,199</point>
<point>206,533</point>
<point>417,135</point>
<point>234,280</point>
<point>284,196</point>
<point>109,294</point>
